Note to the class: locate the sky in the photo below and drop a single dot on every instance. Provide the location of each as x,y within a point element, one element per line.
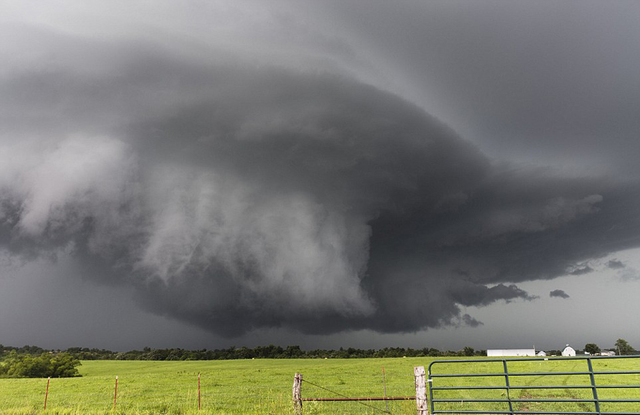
<point>202,174</point>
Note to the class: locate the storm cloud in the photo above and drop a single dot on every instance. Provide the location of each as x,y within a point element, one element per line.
<point>559,294</point>
<point>615,264</point>
<point>236,189</point>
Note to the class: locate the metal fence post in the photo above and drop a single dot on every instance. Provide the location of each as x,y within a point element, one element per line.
<point>115,394</point>
<point>421,391</point>
<point>384,384</point>
<point>46,394</point>
<point>297,394</point>
<point>430,381</point>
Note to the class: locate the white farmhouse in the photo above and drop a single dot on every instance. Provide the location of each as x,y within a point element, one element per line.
<point>568,351</point>
<point>541,353</point>
<point>511,352</point>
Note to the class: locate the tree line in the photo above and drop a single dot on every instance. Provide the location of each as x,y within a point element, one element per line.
<point>259,352</point>
<point>621,347</point>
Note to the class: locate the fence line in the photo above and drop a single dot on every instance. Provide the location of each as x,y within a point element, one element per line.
<point>420,397</point>
<point>111,393</point>
<point>53,395</point>
<point>104,395</point>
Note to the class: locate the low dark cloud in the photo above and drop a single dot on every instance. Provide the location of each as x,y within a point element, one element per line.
<point>559,294</point>
<point>470,321</point>
<point>615,264</point>
<point>235,192</point>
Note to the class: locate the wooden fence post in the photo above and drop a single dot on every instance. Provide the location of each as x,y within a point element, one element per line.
<point>199,399</point>
<point>421,391</point>
<point>297,394</point>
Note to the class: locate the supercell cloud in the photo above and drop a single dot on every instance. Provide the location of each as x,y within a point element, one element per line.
<point>238,186</point>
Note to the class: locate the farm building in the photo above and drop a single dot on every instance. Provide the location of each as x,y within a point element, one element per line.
<point>511,352</point>
<point>568,351</point>
<point>541,353</point>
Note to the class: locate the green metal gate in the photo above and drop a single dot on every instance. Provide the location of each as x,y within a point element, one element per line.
<point>562,385</point>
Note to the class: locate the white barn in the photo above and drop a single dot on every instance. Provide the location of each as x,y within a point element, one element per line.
<point>568,351</point>
<point>511,352</point>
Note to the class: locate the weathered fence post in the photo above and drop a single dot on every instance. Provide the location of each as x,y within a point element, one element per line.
<point>421,391</point>
<point>199,400</point>
<point>297,393</point>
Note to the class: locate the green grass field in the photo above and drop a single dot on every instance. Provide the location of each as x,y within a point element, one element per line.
<point>265,386</point>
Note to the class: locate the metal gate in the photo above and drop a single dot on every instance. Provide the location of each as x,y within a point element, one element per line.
<point>564,385</point>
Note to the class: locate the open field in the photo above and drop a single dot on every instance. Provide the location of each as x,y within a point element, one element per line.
<point>264,386</point>
<point>227,387</point>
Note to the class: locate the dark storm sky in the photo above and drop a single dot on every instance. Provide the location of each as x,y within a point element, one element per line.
<point>199,174</point>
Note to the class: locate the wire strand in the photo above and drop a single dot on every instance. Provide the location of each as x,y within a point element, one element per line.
<point>345,396</point>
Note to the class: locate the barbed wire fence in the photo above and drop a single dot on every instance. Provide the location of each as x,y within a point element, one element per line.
<point>195,392</point>
<point>142,394</point>
<point>420,395</point>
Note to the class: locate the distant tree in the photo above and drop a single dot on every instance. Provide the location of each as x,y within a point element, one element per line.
<point>623,347</point>
<point>295,351</point>
<point>591,348</point>
<point>468,351</point>
<point>434,352</point>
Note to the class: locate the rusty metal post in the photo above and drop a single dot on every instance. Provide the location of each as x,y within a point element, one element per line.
<point>384,384</point>
<point>46,394</point>
<point>115,394</point>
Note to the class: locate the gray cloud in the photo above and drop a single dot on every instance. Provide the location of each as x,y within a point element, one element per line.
<point>581,270</point>
<point>629,274</point>
<point>237,190</point>
<point>559,294</point>
<point>470,321</point>
<point>615,264</point>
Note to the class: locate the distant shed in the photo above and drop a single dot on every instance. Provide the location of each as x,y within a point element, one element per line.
<point>511,352</point>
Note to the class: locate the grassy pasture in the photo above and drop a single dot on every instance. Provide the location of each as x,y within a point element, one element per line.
<point>264,386</point>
